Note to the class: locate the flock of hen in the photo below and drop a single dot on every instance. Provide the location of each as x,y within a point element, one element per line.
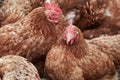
<point>59,39</point>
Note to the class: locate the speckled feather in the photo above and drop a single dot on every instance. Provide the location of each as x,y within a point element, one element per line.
<point>107,26</point>
<point>13,10</point>
<point>110,45</point>
<point>94,14</point>
<point>31,36</point>
<point>17,68</point>
<point>78,61</point>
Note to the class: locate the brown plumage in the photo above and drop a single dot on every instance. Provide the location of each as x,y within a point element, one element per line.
<point>31,36</point>
<point>92,13</point>
<point>61,64</point>
<point>108,26</point>
<point>13,10</point>
<point>17,68</point>
<point>109,45</point>
<point>67,5</point>
<point>104,19</point>
<point>72,8</point>
<point>79,60</point>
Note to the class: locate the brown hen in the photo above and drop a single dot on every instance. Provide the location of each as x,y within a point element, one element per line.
<point>33,35</point>
<point>71,58</point>
<point>103,20</point>
<point>17,68</point>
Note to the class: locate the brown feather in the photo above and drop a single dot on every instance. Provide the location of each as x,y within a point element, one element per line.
<point>78,61</point>
<point>13,10</point>
<point>31,36</point>
<point>15,67</point>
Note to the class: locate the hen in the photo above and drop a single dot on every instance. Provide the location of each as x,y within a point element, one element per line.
<point>13,10</point>
<point>33,35</point>
<point>92,13</point>
<point>71,58</point>
<point>104,21</point>
<point>17,68</point>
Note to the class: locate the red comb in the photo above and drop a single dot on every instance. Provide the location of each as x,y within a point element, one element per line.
<point>52,6</point>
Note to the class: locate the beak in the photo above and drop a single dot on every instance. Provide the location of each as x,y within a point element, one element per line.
<point>69,39</point>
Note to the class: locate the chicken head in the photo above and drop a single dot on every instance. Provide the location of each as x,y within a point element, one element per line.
<point>71,34</point>
<point>53,12</point>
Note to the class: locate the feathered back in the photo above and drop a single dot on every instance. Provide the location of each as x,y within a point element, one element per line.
<point>39,23</point>
<point>15,67</point>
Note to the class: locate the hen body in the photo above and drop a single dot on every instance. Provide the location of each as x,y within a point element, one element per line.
<point>17,68</point>
<point>31,36</point>
<point>79,61</point>
<point>27,33</point>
